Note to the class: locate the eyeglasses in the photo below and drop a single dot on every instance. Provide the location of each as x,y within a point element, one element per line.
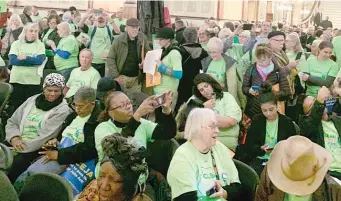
<point>125,105</point>
<point>80,107</point>
<point>278,41</point>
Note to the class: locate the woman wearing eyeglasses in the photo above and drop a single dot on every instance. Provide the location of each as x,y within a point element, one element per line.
<point>37,120</point>
<point>119,115</point>
<point>265,70</point>
<point>202,168</point>
<point>76,143</point>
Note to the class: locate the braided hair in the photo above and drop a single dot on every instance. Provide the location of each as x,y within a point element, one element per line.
<point>128,160</point>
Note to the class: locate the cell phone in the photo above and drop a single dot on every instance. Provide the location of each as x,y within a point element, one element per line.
<point>330,104</point>
<point>299,55</point>
<point>160,100</point>
<point>270,149</point>
<point>247,26</point>
<point>98,11</point>
<point>255,88</point>
<point>51,148</point>
<point>211,191</point>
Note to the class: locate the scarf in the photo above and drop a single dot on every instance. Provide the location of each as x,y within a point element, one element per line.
<point>171,47</point>
<point>264,72</point>
<point>45,105</point>
<point>283,61</point>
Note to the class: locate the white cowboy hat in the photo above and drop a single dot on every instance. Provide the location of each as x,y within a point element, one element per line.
<point>298,166</point>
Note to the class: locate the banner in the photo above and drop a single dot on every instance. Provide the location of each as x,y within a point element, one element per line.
<point>79,175</point>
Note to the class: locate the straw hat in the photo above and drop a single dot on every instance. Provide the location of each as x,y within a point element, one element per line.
<point>298,166</point>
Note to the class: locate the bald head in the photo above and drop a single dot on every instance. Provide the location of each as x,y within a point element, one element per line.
<point>63,29</point>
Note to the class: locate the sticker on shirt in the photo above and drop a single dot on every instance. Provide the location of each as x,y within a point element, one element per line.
<point>75,134</point>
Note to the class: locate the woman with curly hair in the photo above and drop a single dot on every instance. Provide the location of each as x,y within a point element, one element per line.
<point>122,165</point>
<point>209,94</point>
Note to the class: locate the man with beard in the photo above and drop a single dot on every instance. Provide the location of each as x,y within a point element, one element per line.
<point>101,37</point>
<point>125,57</point>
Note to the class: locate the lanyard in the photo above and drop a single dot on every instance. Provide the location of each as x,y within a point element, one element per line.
<point>215,166</point>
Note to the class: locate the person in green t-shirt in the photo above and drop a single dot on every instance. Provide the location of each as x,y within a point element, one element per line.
<point>101,37</point>
<point>119,116</point>
<point>203,36</point>
<point>66,52</point>
<point>337,47</point>
<point>203,162</point>
<point>266,130</point>
<point>25,56</point>
<point>170,65</point>
<point>85,75</point>
<point>321,70</point>
<point>296,171</point>
<point>120,21</point>
<point>35,15</point>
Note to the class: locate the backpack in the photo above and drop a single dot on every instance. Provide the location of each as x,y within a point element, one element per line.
<point>94,32</point>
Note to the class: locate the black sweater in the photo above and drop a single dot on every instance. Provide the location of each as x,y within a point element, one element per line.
<point>83,151</point>
<point>257,133</point>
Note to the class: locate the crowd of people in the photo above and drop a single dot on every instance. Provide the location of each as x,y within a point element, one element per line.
<point>267,95</point>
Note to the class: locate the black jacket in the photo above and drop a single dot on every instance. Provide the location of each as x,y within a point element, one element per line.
<point>179,36</point>
<point>257,132</point>
<point>86,150</point>
<point>311,126</point>
<point>52,36</point>
<point>191,55</point>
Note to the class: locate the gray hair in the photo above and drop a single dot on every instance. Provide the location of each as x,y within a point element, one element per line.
<point>196,119</point>
<point>65,25</point>
<point>191,35</point>
<point>17,17</point>
<point>28,26</point>
<point>85,93</point>
<point>246,34</point>
<point>215,44</point>
<point>26,8</point>
<point>224,33</point>
<point>86,50</point>
<point>180,23</point>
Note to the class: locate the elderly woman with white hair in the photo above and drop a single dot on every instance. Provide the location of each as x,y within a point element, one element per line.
<point>295,51</point>
<point>222,68</point>
<point>13,30</point>
<point>66,53</point>
<point>25,55</point>
<point>202,167</point>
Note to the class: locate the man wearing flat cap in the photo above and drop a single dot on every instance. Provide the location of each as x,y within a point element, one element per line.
<point>125,57</point>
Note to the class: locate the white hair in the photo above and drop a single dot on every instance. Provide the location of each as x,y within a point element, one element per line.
<point>28,26</point>
<point>196,119</point>
<point>246,34</point>
<point>215,44</point>
<point>17,17</point>
<point>316,42</point>
<point>224,33</point>
<point>66,26</point>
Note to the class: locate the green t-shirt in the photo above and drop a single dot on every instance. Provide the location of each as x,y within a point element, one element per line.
<point>321,69</point>
<point>47,35</point>
<point>217,68</point>
<point>100,43</point>
<point>337,49</point>
<point>174,62</point>
<point>26,74</point>
<point>270,136</point>
<point>204,46</point>
<point>236,52</point>
<point>191,170</point>
<point>229,136</point>
<point>289,197</point>
<point>332,144</point>
<point>69,44</point>
<point>143,134</point>
<point>36,18</point>
<point>303,62</point>
<point>79,78</point>
<point>32,124</point>
<point>119,22</point>
<point>75,130</point>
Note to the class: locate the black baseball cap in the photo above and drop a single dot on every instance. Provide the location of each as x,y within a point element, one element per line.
<point>106,84</point>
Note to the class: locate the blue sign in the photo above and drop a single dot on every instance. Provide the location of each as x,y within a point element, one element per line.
<point>79,175</point>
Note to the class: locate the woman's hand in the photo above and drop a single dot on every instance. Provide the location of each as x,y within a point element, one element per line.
<point>167,106</point>
<point>221,193</point>
<point>50,155</point>
<point>266,149</point>
<point>147,106</point>
<point>51,44</point>
<point>293,64</point>
<point>18,144</point>
<point>53,143</point>
<point>210,104</point>
<point>253,92</point>
<point>305,77</point>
